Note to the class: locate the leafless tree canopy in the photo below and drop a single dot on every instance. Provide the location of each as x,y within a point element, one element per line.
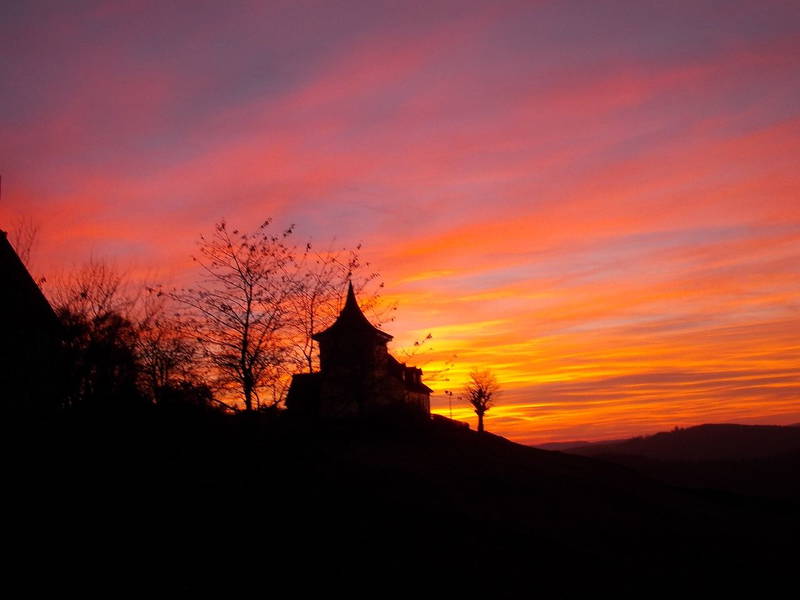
<point>168,356</point>
<point>96,310</point>
<point>123,339</point>
<point>93,290</point>
<point>238,310</point>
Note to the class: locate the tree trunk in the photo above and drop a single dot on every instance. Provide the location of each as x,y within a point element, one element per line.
<point>248,394</point>
<point>480,422</point>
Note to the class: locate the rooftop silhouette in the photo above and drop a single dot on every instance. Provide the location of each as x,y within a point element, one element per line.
<point>30,330</point>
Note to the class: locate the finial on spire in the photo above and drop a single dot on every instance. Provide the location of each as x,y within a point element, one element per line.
<point>351,294</point>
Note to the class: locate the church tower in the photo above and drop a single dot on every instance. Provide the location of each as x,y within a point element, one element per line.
<point>357,374</point>
<point>352,342</point>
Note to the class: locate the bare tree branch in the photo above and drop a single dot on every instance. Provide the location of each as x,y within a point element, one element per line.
<point>239,311</point>
<point>24,236</point>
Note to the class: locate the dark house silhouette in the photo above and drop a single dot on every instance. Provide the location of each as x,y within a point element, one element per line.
<point>357,375</point>
<point>29,334</point>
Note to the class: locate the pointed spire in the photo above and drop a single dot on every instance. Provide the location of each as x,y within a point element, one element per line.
<point>351,301</point>
<point>351,309</point>
<point>352,319</point>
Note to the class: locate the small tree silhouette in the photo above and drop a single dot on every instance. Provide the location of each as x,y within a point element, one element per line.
<point>481,391</point>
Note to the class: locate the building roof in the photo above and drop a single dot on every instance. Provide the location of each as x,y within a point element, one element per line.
<point>352,321</point>
<point>410,376</point>
<point>21,300</point>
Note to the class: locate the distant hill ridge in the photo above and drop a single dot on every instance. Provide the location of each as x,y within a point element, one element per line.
<point>702,442</point>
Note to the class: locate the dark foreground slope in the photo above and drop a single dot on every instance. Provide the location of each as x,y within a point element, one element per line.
<point>162,501</point>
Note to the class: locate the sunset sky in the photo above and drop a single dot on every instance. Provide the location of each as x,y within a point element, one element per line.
<point>598,200</point>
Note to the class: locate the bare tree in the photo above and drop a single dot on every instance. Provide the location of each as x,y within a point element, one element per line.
<point>238,312</point>
<point>121,341</point>
<point>481,391</point>
<point>168,356</point>
<point>93,291</point>
<point>99,362</point>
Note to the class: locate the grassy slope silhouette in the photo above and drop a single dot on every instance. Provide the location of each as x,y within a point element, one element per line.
<point>201,501</point>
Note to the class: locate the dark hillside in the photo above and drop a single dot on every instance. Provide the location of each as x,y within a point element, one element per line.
<point>704,442</point>
<point>752,460</point>
<point>209,501</point>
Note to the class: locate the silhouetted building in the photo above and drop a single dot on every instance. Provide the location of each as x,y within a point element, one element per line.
<point>29,333</point>
<point>357,375</point>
